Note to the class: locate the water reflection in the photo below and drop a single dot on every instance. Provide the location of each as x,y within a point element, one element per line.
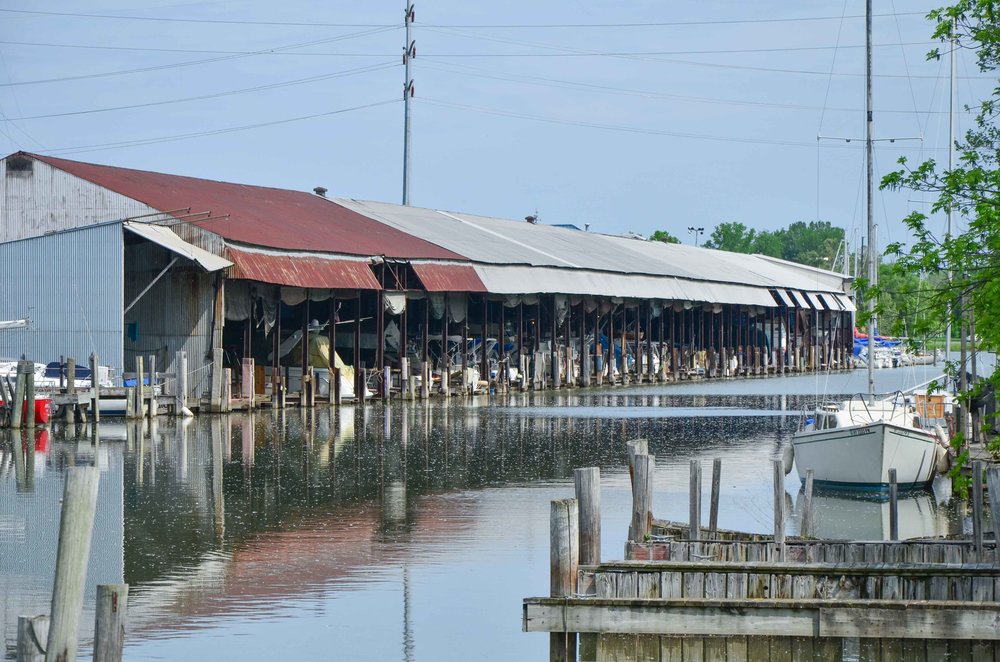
<point>841,516</point>
<point>380,531</point>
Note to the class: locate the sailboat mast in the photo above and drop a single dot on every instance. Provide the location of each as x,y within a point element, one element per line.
<point>872,246</point>
<point>951,166</point>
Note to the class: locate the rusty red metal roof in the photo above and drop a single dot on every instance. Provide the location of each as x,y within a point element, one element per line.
<point>449,277</point>
<point>259,215</point>
<point>302,270</point>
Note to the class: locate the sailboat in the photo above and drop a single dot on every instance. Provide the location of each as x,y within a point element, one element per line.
<point>854,444</point>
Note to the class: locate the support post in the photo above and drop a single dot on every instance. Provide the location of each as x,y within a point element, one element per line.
<point>564,561</point>
<point>588,496</point>
<point>694,502</point>
<point>75,528</point>
<point>713,509</point>
<point>425,380</point>
<point>18,408</point>
<point>993,487</point>
<point>140,378</point>
<point>29,394</point>
<point>32,634</point>
<point>779,507</point>
<point>153,405</point>
<point>386,382</point>
<point>180,368</point>
<point>642,498</point>
<point>109,622</point>
<point>335,391</point>
<point>806,528</point>
<point>977,509</point>
<point>95,385</point>
<point>893,506</point>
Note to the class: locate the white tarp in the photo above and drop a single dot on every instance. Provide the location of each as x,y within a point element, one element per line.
<point>165,237</point>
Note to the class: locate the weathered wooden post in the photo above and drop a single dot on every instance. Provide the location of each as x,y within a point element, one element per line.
<point>713,508</point>
<point>95,385</point>
<point>564,561</point>
<point>18,407</point>
<point>893,506</point>
<point>779,507</point>
<point>633,448</point>
<point>140,379</point>
<point>588,496</point>
<point>336,397</point>
<point>425,380</point>
<point>75,528</point>
<point>404,378</point>
<point>694,502</point>
<point>806,528</point>
<point>32,633</point>
<point>70,410</point>
<point>180,368</point>
<point>977,510</point>
<point>109,622</point>
<point>993,487</point>
<point>29,394</point>
<point>387,382</point>
<point>226,399</point>
<point>153,405</point>
<point>642,498</point>
<point>215,399</point>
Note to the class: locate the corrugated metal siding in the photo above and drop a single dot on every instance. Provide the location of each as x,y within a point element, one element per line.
<point>70,284</point>
<point>175,314</point>
<point>46,199</point>
<point>449,278</point>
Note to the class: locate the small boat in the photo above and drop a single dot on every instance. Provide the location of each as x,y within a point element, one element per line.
<point>854,444</point>
<point>43,409</point>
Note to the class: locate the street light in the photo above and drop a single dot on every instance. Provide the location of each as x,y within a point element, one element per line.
<point>696,232</point>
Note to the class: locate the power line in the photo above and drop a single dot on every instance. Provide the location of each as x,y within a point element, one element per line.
<point>191,63</point>
<point>259,88</point>
<point>199,134</point>
<point>638,24</point>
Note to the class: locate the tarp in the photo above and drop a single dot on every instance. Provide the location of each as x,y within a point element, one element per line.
<point>165,237</point>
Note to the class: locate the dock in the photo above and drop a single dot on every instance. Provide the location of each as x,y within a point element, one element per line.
<point>688,592</point>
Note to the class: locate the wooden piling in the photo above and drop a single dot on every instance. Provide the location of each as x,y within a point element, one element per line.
<point>32,634</point>
<point>564,561</point>
<point>642,498</point>
<point>806,528</point>
<point>977,510</point>
<point>109,622</point>
<point>130,398</point>
<point>633,448</point>
<point>95,385</point>
<point>71,375</point>
<point>694,502</point>
<point>17,406</point>
<point>336,397</point>
<point>993,487</point>
<point>29,394</point>
<point>180,368</point>
<point>713,509</point>
<point>215,398</point>
<point>779,506</point>
<point>140,379</point>
<point>425,380</point>
<point>588,496</point>
<point>386,382</point>
<point>153,405</point>
<point>75,528</point>
<point>893,506</point>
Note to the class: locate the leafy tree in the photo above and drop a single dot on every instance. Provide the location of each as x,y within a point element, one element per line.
<point>971,191</point>
<point>814,243</point>
<point>734,237</point>
<point>664,236</point>
<point>770,243</point>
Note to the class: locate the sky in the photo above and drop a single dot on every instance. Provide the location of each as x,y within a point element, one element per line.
<point>627,116</point>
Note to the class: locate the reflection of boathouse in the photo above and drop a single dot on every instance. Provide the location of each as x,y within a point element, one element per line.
<point>147,263</point>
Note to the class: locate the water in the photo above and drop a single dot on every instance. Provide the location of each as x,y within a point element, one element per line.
<point>406,533</point>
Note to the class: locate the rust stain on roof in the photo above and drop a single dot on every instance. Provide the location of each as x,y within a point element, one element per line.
<point>449,278</point>
<point>302,271</point>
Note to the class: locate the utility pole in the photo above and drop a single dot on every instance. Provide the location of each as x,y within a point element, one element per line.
<point>409,52</point>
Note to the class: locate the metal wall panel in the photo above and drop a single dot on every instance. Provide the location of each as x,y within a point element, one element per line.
<point>70,285</point>
<point>44,199</point>
<point>175,314</point>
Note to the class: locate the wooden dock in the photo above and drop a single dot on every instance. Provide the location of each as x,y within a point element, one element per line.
<point>684,592</point>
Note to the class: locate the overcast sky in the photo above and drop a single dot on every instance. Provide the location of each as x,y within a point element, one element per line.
<point>693,114</point>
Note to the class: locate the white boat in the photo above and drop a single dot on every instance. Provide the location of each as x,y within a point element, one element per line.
<point>854,444</point>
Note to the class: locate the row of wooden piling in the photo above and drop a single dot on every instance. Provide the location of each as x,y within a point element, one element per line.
<point>53,637</point>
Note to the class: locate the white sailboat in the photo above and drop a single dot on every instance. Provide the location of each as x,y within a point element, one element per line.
<point>854,444</point>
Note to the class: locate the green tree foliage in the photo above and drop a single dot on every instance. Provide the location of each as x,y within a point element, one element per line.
<point>971,191</point>
<point>664,236</point>
<point>814,243</point>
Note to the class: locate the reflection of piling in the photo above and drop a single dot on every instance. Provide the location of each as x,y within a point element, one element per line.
<point>109,622</point>
<point>75,527</point>
<point>564,562</point>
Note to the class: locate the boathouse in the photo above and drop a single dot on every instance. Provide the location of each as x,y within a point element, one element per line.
<point>417,300</point>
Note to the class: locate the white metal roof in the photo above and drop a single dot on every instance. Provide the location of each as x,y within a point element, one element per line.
<point>165,237</point>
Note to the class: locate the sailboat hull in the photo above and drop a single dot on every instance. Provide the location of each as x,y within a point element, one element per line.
<point>860,456</point>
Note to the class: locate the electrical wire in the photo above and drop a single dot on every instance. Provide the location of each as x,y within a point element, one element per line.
<point>216,95</point>
<point>191,63</point>
<point>829,84</point>
<point>199,134</point>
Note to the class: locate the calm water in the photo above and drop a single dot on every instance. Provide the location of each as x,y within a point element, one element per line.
<point>404,533</point>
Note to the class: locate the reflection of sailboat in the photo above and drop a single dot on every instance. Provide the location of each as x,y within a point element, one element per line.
<point>850,517</point>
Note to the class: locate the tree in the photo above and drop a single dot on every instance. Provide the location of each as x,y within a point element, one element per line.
<point>814,243</point>
<point>734,237</point>
<point>664,236</point>
<point>970,190</point>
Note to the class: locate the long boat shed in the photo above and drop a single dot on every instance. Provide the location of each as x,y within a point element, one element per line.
<point>252,278</point>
